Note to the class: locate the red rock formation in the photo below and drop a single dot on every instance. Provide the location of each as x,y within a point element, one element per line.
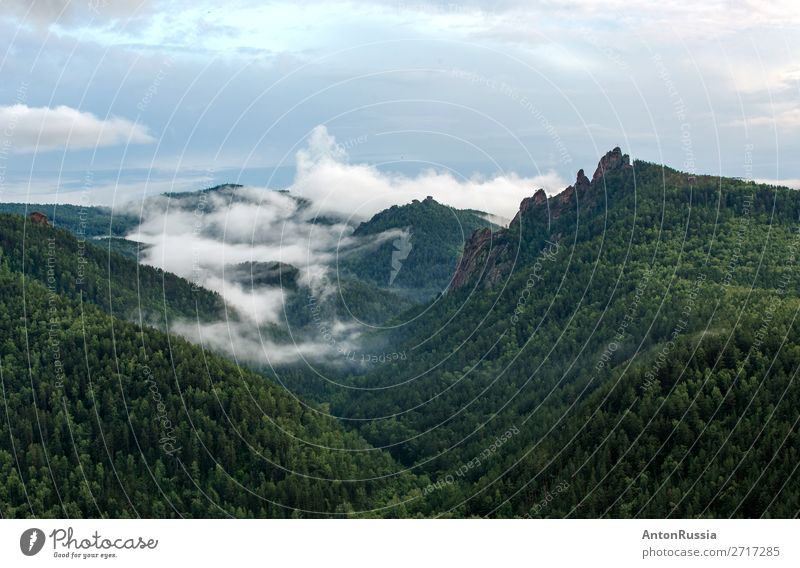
<point>484,260</point>
<point>613,160</point>
<point>474,251</point>
<point>539,198</point>
<point>566,195</point>
<point>582,183</point>
<point>486,254</point>
<point>39,218</point>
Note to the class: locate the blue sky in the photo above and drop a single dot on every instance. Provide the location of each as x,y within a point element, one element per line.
<point>123,98</point>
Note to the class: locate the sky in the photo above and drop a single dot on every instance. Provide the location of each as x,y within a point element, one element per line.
<point>478,103</point>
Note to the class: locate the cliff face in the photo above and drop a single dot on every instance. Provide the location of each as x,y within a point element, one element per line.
<point>475,252</point>
<point>486,257</point>
<point>539,198</point>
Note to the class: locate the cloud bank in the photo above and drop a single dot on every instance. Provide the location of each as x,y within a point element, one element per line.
<point>358,191</point>
<point>32,129</point>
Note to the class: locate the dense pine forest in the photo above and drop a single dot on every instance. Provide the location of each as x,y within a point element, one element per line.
<point>626,348</point>
<point>102,418</point>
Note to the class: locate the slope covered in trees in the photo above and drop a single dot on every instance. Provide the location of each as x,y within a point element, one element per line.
<point>96,224</point>
<point>80,270</point>
<point>84,220</point>
<point>629,345</point>
<point>101,418</point>
<point>419,260</point>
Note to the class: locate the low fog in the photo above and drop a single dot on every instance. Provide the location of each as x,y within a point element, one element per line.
<point>205,237</point>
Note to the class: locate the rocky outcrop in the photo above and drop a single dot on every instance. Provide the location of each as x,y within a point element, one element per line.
<point>582,183</point>
<point>483,258</point>
<point>565,196</point>
<point>485,255</point>
<point>539,198</point>
<point>586,189</point>
<point>613,160</point>
<point>475,250</point>
<point>581,186</point>
<point>39,218</point>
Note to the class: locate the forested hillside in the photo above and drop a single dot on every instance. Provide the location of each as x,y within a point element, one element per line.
<point>83,271</point>
<point>418,262</point>
<point>87,221</point>
<point>627,347</point>
<point>101,418</point>
<point>98,225</point>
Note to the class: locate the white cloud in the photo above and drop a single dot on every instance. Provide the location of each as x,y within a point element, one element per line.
<point>792,183</point>
<point>246,343</point>
<point>42,13</point>
<point>203,239</point>
<point>36,129</point>
<point>359,190</point>
<point>662,19</point>
<point>264,225</point>
<point>788,118</point>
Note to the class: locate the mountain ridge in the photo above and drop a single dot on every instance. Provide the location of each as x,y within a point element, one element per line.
<point>489,251</point>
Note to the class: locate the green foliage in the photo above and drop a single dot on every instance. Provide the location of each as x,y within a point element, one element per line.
<point>86,221</point>
<point>632,352</point>
<point>76,268</point>
<point>120,245</point>
<point>103,418</point>
<point>420,264</point>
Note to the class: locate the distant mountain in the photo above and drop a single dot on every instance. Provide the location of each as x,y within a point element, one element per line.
<point>85,221</point>
<point>276,220</point>
<point>229,189</point>
<point>425,245</point>
<point>417,249</point>
<point>99,225</point>
<point>259,274</point>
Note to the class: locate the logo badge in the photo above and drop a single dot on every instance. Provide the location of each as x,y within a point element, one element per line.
<point>31,542</point>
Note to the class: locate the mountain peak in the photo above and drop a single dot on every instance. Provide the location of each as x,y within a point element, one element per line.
<point>613,160</point>
<point>484,251</point>
<point>539,198</point>
<point>582,182</point>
